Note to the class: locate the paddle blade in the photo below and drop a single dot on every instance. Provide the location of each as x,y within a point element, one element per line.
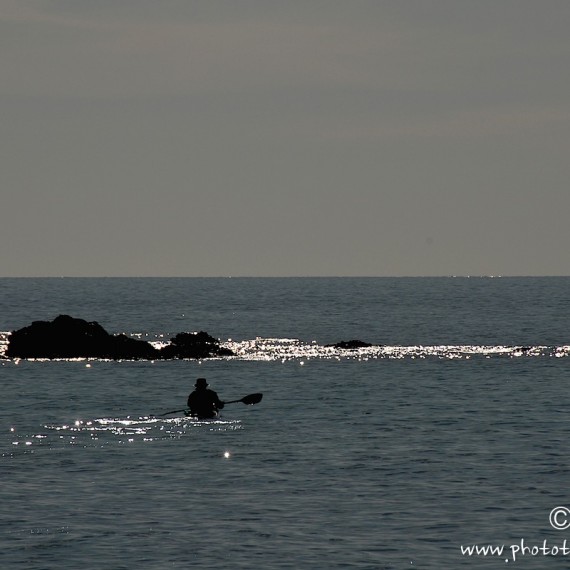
<point>252,399</point>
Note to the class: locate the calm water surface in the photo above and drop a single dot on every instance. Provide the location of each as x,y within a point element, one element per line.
<point>452,430</point>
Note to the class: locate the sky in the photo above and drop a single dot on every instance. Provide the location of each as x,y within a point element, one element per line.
<point>271,138</point>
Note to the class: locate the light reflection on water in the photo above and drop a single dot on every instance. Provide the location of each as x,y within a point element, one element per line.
<point>274,349</point>
<point>110,431</point>
<point>284,349</point>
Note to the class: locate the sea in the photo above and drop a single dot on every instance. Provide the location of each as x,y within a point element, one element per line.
<point>445,444</point>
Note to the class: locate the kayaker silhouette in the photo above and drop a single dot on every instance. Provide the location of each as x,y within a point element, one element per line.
<point>203,402</point>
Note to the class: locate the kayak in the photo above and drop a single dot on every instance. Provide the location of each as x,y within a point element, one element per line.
<point>248,400</point>
<point>215,416</point>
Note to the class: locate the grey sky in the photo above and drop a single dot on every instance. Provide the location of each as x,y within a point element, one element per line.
<point>304,137</point>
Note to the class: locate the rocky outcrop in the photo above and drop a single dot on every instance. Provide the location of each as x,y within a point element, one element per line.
<point>350,344</point>
<point>194,345</point>
<point>68,337</point>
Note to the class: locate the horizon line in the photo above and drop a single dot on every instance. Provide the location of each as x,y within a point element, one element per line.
<point>404,276</point>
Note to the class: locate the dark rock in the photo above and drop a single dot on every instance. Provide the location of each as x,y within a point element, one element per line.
<point>126,348</point>
<point>350,344</point>
<point>68,337</point>
<point>194,345</point>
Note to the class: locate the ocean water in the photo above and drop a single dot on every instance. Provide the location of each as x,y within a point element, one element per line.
<point>451,431</point>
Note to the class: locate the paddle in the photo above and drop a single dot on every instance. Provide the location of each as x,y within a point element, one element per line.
<point>172,412</point>
<point>248,400</point>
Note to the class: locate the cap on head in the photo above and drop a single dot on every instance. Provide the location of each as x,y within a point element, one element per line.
<point>201,383</point>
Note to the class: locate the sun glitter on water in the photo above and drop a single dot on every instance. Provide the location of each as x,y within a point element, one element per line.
<point>227,454</point>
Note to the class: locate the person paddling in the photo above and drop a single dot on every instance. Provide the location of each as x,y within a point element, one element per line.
<point>203,402</point>
<point>201,386</point>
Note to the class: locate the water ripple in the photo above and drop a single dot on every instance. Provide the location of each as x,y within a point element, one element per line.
<point>110,431</point>
<point>274,349</point>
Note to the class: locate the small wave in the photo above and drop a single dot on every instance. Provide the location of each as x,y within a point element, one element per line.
<point>4,343</point>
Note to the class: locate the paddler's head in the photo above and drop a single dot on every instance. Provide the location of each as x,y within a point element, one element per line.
<point>201,383</point>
